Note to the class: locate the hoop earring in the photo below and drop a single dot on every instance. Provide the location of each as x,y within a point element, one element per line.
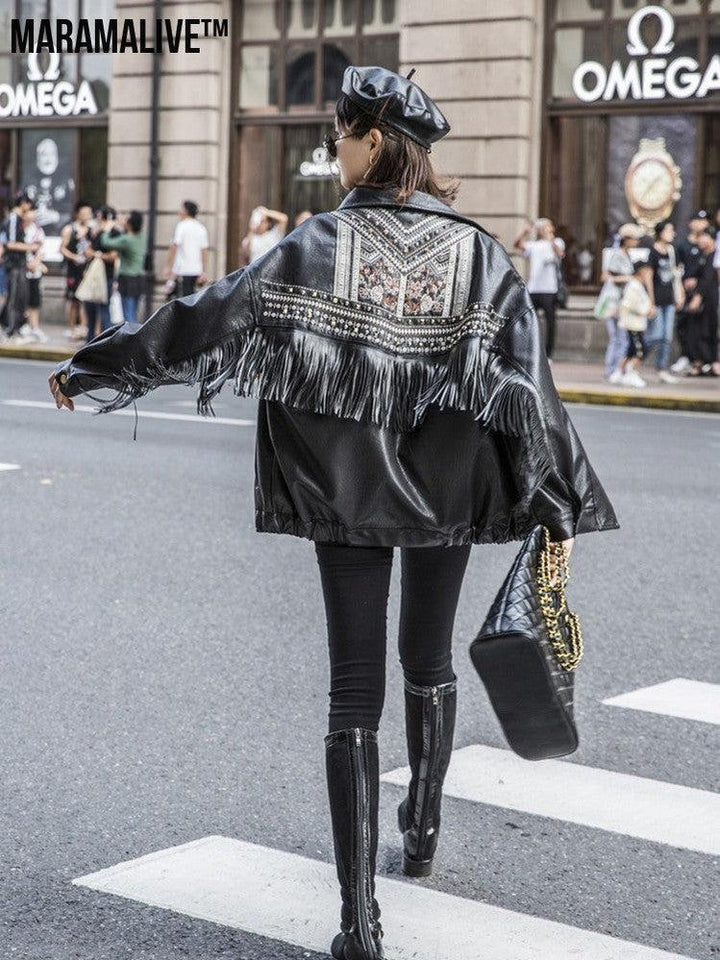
<point>371,164</point>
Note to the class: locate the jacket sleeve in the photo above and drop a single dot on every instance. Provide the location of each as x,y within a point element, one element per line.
<point>196,339</point>
<point>561,488</point>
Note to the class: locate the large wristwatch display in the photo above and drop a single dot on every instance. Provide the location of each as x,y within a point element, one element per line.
<point>652,183</point>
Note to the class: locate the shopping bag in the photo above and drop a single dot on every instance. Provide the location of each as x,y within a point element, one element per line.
<point>93,286</point>
<point>608,301</point>
<point>116,310</point>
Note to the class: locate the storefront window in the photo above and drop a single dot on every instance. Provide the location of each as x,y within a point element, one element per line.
<point>302,19</point>
<point>290,61</point>
<point>260,20</point>
<point>630,135</point>
<point>573,45</point>
<point>337,55</point>
<point>380,16</point>
<point>339,17</point>
<point>300,76</point>
<point>258,77</point>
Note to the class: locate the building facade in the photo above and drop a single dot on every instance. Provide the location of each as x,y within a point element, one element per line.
<point>592,112</point>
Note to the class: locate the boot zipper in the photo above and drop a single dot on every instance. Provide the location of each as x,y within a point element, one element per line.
<point>424,797</point>
<point>363,852</point>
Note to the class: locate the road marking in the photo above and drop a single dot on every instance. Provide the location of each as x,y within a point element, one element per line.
<point>689,699</point>
<point>621,803</point>
<point>148,414</point>
<point>295,899</point>
<point>9,466</point>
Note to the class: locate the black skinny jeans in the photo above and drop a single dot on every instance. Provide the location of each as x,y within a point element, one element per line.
<point>356,584</point>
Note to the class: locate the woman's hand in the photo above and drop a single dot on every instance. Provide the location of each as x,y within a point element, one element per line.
<point>567,547</point>
<point>60,399</point>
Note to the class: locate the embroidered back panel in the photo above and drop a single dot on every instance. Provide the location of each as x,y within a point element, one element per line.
<point>407,267</point>
<point>398,283</point>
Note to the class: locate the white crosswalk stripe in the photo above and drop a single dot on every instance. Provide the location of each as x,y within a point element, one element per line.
<point>689,699</point>
<point>9,466</point>
<point>147,414</point>
<point>648,809</point>
<point>292,898</point>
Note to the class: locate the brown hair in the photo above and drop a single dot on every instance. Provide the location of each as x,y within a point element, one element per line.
<point>402,163</point>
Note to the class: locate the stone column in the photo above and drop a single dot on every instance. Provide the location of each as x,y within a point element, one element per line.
<point>194,127</point>
<point>482,62</point>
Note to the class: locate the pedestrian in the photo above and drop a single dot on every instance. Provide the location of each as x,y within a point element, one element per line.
<point>619,271</point>
<point>35,270</point>
<point>690,259</point>
<point>266,230</point>
<point>635,309</point>
<point>703,308</point>
<point>545,253</point>
<point>76,251</point>
<point>187,259</point>
<point>661,286</point>
<point>404,401</point>
<point>99,312</point>
<point>15,253</point>
<point>131,244</point>
<point>3,271</point>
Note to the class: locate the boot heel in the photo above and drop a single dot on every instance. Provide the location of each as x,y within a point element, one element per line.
<point>416,868</point>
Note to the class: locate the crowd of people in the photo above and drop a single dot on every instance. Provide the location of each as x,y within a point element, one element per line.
<point>95,297</point>
<point>654,288</point>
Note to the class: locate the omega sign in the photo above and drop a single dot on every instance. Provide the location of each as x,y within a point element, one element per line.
<point>653,78</point>
<point>44,95</point>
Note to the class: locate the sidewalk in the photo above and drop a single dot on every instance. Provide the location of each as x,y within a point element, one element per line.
<point>576,382</point>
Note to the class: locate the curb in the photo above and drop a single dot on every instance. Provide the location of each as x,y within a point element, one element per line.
<point>50,354</point>
<point>619,398</point>
<point>624,399</point>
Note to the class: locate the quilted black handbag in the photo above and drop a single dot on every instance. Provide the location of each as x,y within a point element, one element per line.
<point>527,650</point>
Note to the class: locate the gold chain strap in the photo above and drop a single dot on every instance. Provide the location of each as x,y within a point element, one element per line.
<point>553,604</point>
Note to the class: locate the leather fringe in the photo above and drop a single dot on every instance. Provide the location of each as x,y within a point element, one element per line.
<point>336,377</point>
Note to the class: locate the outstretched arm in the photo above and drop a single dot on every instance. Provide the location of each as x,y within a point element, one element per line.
<point>194,339</point>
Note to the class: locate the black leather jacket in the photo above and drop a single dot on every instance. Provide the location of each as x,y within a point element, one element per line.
<point>405,397</point>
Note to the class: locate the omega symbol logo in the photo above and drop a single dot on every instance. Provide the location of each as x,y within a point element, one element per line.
<point>636,47</point>
<point>35,73</point>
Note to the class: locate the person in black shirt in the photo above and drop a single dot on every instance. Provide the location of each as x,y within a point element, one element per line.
<point>703,307</point>
<point>12,316</point>
<point>690,258</point>
<point>662,294</point>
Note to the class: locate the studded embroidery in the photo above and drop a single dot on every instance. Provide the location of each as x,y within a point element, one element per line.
<point>410,269</point>
<point>302,307</point>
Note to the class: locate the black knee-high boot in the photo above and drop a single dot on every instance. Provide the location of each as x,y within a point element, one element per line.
<point>353,779</point>
<point>430,727</point>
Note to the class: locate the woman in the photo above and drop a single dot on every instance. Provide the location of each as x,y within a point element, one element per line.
<point>619,270</point>
<point>544,254</point>
<point>266,228</point>
<point>131,246</point>
<point>405,401</point>
<point>661,287</point>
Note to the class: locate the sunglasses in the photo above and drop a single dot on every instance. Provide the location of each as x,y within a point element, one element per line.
<point>329,141</point>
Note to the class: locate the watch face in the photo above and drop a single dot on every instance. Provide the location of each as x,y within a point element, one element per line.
<point>651,184</point>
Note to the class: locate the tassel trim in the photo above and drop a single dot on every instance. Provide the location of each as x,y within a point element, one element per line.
<point>345,379</point>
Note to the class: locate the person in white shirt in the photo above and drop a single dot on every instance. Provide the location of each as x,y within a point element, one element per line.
<point>187,259</point>
<point>544,254</point>
<point>266,228</point>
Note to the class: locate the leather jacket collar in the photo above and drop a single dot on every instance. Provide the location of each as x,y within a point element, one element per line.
<point>387,197</point>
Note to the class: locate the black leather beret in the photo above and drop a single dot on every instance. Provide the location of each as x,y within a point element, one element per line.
<point>397,102</point>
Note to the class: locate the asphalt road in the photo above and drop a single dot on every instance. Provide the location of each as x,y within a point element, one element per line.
<point>164,677</point>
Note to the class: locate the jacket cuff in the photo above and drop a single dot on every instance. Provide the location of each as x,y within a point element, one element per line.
<point>64,378</point>
<point>563,527</point>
